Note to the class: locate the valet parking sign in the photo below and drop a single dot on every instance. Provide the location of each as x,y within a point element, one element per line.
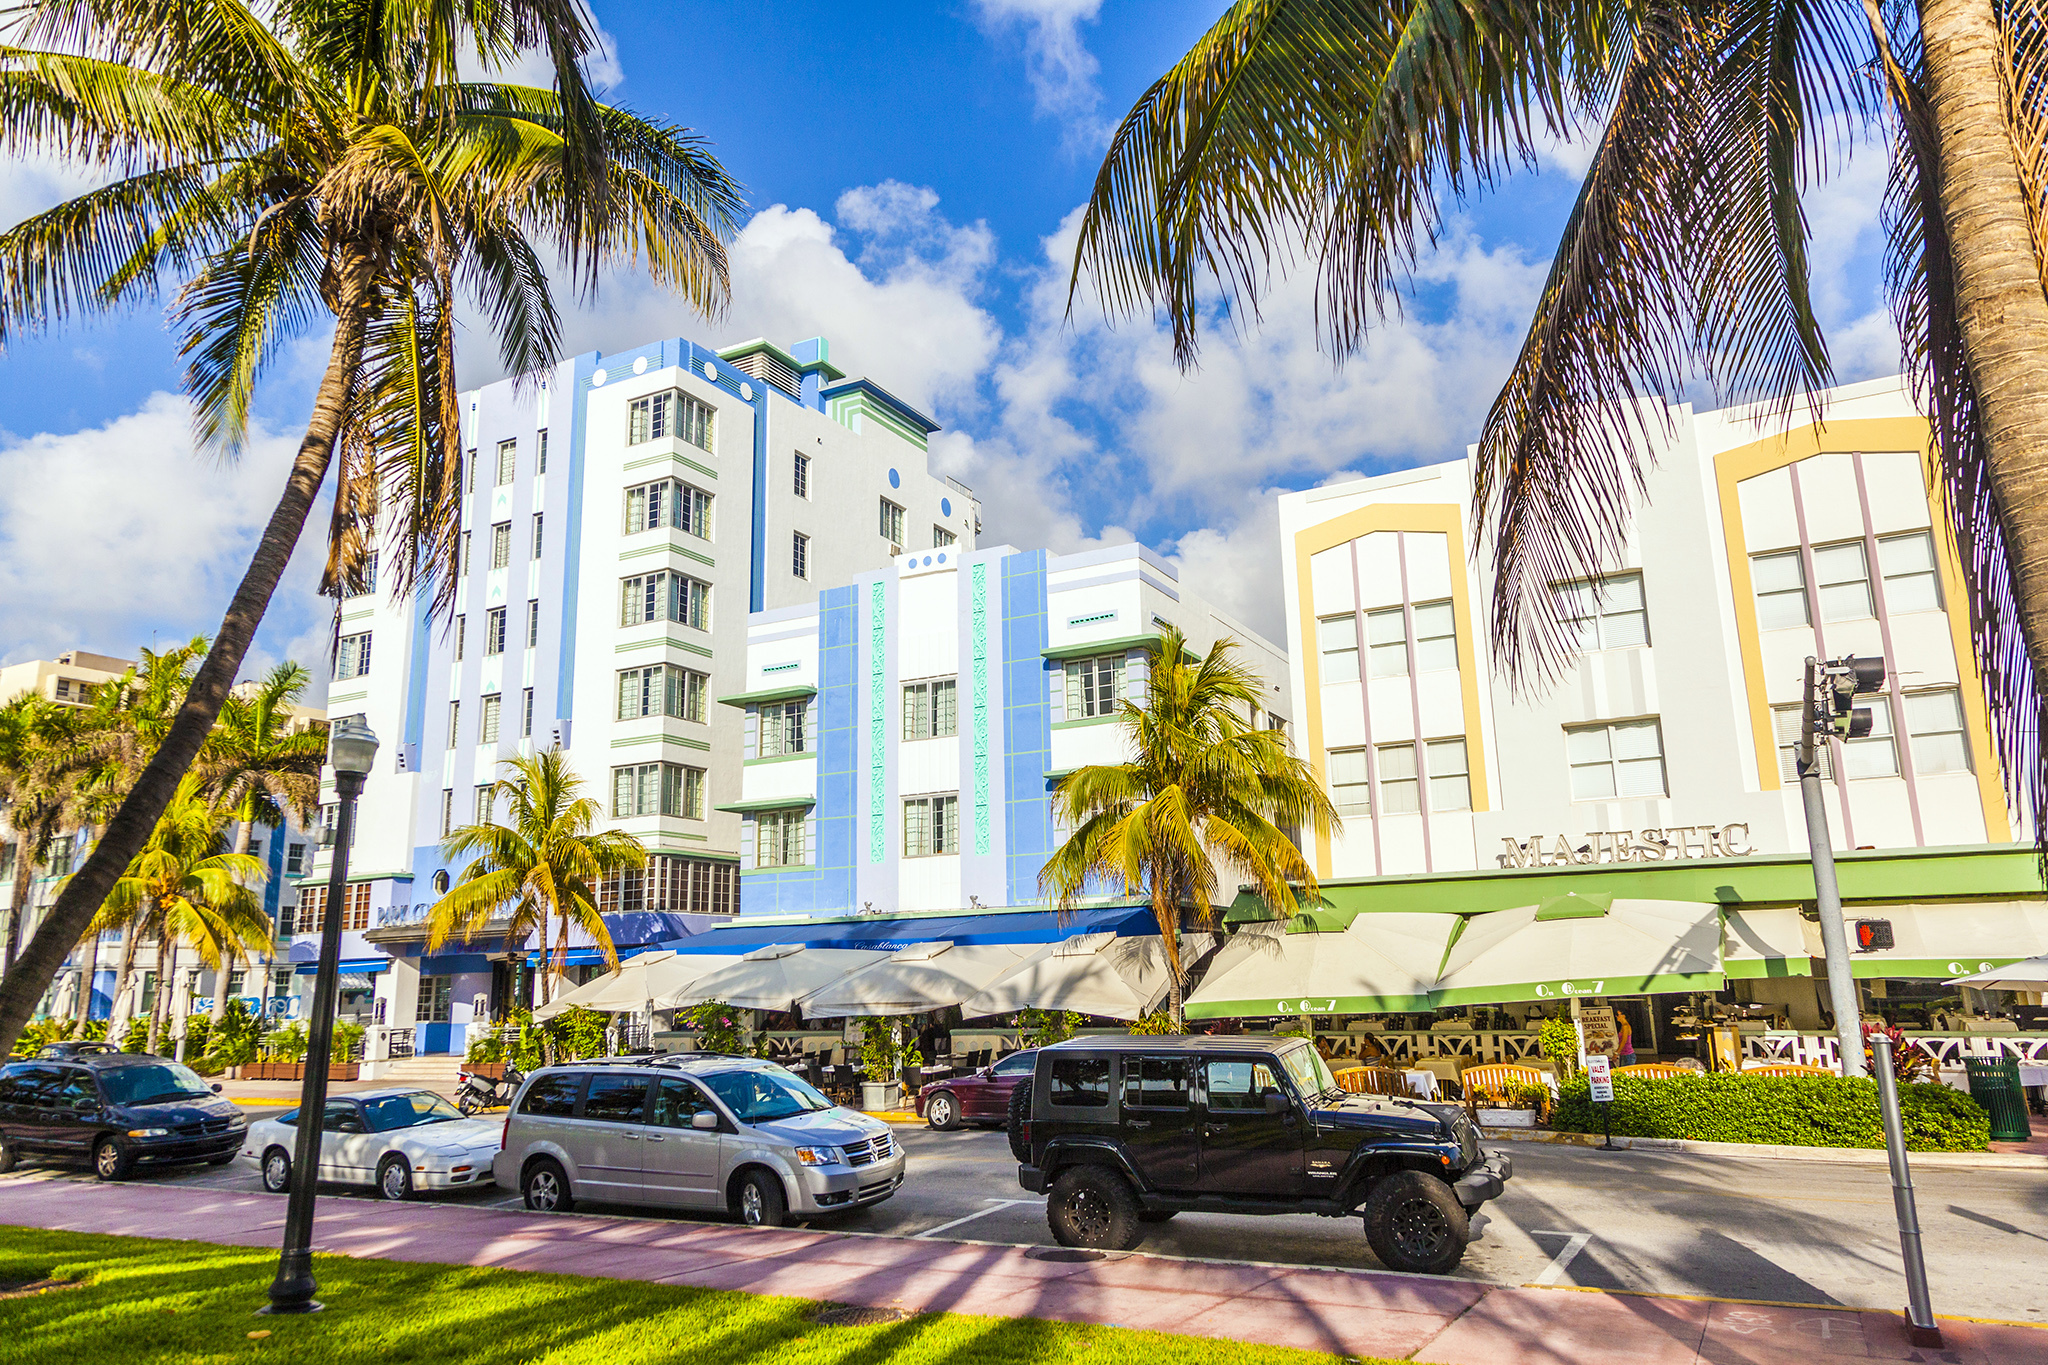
<point>1600,1075</point>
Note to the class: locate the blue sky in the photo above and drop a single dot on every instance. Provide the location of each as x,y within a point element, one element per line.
<point>914,172</point>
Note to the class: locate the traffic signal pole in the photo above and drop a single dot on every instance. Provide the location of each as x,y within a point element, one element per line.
<point>1816,719</point>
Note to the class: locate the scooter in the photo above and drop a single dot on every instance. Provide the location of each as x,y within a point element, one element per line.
<point>474,1092</point>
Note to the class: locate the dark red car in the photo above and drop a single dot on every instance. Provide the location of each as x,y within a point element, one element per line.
<point>980,1097</point>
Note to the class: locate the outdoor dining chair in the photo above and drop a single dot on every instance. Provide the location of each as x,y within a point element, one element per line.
<point>1786,1069</point>
<point>1654,1071</point>
<point>1366,1080</point>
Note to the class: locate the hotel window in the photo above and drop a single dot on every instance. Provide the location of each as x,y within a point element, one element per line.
<point>781,729</point>
<point>469,472</point>
<point>352,656</point>
<point>931,710</point>
<point>668,503</point>
<point>501,544</point>
<point>665,596</point>
<point>447,811</point>
<point>482,806</point>
<point>941,537</point>
<point>1094,686</point>
<point>1386,637</point>
<point>1907,563</point>
<point>661,690</point>
<point>931,825</point>
<point>1436,637</point>
<point>1619,761</point>
<point>892,525</point>
<point>657,789</point>
<point>1780,583</point>
<point>532,622</point>
<point>800,480</point>
<point>1349,790</point>
<point>1934,720</point>
<point>461,636</point>
<point>369,581</point>
<point>1785,722</point>
<point>454,723</point>
<point>487,724</point>
<point>494,631</point>
<point>1606,613</point>
<point>311,917</point>
<point>779,837</point>
<point>800,555</point>
<point>540,451</point>
<point>1877,753</point>
<point>295,859</point>
<point>669,414</point>
<point>462,560</point>
<point>1842,580</point>
<point>1449,773</point>
<point>536,535</point>
<point>1337,642</point>
<point>431,1004</point>
<point>508,461</point>
<point>1399,791</point>
<point>526,713</point>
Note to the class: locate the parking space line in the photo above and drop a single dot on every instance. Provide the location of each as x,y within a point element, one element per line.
<point>1574,1244</point>
<point>998,1206</point>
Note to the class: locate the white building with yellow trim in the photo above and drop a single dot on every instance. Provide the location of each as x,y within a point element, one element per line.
<point>1759,542</point>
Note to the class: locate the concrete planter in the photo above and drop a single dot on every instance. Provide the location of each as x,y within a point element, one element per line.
<point>295,1071</point>
<point>1507,1118</point>
<point>880,1097</point>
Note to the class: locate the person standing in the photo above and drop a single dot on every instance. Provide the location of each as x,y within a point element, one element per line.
<point>1625,1040</point>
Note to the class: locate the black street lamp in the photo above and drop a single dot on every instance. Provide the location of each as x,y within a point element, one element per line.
<point>351,751</point>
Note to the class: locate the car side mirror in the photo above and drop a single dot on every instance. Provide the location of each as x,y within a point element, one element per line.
<point>1276,1103</point>
<point>216,1087</point>
<point>84,1107</point>
<point>704,1118</point>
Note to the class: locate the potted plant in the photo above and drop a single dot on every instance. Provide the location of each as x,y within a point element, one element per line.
<point>881,1064</point>
<point>1515,1105</point>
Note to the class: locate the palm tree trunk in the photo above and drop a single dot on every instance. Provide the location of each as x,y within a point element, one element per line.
<point>92,969</point>
<point>24,887</point>
<point>120,1008</point>
<point>166,981</point>
<point>227,952</point>
<point>2002,308</point>
<point>129,829</point>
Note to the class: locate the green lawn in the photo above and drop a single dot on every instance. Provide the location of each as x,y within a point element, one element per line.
<point>149,1302</point>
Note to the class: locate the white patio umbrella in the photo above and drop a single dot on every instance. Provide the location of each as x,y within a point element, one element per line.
<point>1100,974</point>
<point>1380,964</point>
<point>638,981</point>
<point>920,977</point>
<point>771,978</point>
<point>2031,974</point>
<point>1588,944</point>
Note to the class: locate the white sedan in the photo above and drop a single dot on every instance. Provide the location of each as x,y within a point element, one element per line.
<point>399,1141</point>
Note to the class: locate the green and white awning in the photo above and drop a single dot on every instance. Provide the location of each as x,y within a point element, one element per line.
<point>1768,942</point>
<point>1582,944</point>
<point>1379,964</point>
<point>1942,940</point>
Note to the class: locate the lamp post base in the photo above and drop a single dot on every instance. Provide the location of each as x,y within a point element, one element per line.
<point>1921,1336</point>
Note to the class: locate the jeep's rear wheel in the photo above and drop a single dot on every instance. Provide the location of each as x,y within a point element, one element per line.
<point>1414,1222</point>
<point>1020,1113</point>
<point>1091,1206</point>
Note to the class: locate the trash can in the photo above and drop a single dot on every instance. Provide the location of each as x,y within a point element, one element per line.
<point>1996,1086</point>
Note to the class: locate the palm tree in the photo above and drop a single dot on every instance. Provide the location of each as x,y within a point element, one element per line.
<point>184,885</point>
<point>313,159</point>
<point>257,766</point>
<point>1345,127</point>
<point>1205,790</point>
<point>538,870</point>
<point>38,791</point>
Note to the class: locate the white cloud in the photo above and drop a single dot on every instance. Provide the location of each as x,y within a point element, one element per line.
<point>119,535</point>
<point>1058,64</point>
<point>31,184</point>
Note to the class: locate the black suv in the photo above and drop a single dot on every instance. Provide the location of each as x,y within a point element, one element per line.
<point>1120,1132</point>
<point>119,1109</point>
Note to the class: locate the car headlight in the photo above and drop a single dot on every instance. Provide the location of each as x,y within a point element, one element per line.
<point>149,1132</point>
<point>817,1156</point>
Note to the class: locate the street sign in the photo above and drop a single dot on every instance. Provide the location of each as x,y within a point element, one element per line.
<point>1873,935</point>
<point>1600,1075</point>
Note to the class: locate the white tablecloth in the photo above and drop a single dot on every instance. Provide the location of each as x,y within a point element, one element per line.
<point>1422,1083</point>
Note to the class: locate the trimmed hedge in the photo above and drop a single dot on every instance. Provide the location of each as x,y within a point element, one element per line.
<point>1794,1111</point>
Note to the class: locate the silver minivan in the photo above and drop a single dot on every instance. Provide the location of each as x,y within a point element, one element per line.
<point>694,1132</point>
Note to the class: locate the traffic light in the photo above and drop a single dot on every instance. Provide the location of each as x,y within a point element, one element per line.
<point>1852,677</point>
<point>1873,935</point>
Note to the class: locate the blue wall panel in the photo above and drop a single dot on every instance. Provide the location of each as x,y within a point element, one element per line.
<point>1027,724</point>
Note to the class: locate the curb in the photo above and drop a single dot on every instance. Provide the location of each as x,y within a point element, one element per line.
<point>1849,1156</point>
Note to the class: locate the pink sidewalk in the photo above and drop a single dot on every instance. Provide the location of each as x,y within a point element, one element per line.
<point>1450,1322</point>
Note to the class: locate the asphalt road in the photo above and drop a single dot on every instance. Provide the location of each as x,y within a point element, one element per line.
<point>1798,1232</point>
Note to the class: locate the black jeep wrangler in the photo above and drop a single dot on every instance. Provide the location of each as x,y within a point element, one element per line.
<point>1120,1132</point>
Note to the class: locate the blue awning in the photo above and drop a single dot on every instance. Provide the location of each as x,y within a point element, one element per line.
<point>886,932</point>
<point>577,957</point>
<point>349,966</point>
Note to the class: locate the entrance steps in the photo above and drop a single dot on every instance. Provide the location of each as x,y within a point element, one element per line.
<point>432,1072</point>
